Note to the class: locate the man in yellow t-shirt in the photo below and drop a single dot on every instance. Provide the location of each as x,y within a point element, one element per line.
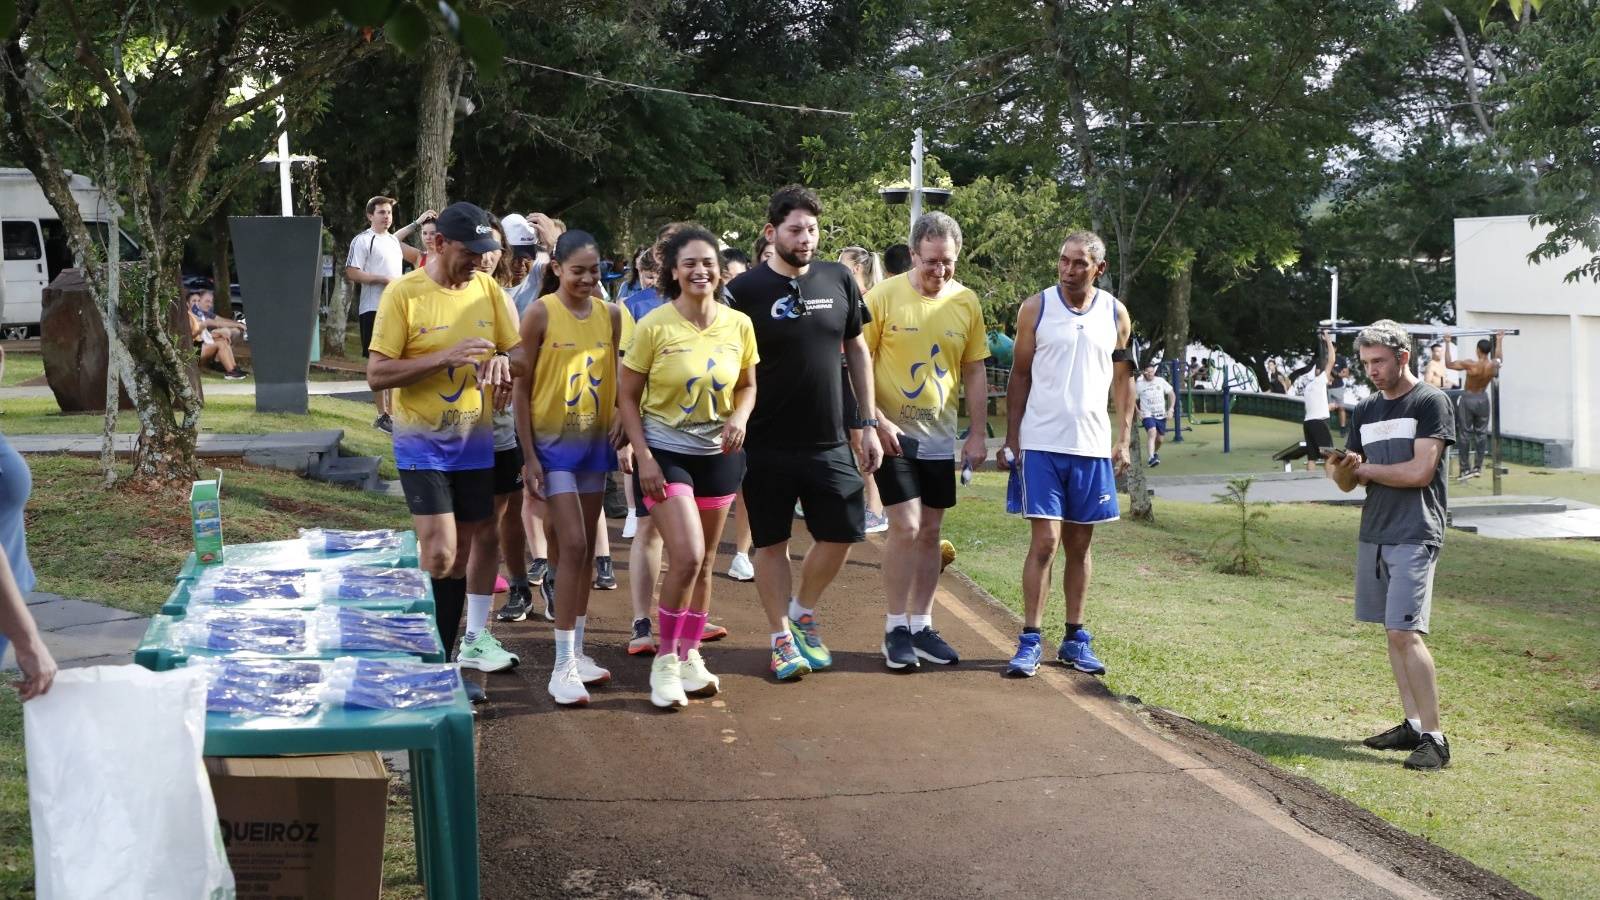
<point>442,335</point>
<point>927,339</point>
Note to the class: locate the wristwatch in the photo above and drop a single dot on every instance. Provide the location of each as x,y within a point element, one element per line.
<point>866,423</point>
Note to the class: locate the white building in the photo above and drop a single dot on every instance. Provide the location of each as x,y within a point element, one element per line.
<point>1550,384</point>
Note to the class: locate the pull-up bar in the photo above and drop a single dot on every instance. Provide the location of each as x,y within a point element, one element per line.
<point>1423,330</point>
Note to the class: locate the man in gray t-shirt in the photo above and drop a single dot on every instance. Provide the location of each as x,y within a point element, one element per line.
<point>1396,450</point>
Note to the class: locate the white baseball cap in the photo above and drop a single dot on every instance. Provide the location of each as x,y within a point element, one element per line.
<point>520,236</point>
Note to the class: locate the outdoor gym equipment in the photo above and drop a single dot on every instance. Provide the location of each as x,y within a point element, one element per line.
<point>1419,333</point>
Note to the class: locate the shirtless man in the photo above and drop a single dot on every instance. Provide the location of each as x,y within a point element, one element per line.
<point>1435,372</point>
<point>1473,407</point>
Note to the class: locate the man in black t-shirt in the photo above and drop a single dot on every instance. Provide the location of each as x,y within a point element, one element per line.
<point>804,312</point>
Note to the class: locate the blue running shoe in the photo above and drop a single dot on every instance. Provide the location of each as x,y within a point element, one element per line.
<point>1076,652</point>
<point>1026,663</point>
<point>898,650</point>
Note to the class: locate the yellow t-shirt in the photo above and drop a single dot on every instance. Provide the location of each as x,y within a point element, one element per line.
<point>575,389</point>
<point>690,375</point>
<point>440,422</point>
<point>918,345</point>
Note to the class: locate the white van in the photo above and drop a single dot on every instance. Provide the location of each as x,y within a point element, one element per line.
<point>36,247</point>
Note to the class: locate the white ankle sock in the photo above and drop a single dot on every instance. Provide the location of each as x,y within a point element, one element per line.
<point>477,614</point>
<point>1416,725</point>
<point>577,635</point>
<point>1438,736</point>
<point>564,645</point>
<point>917,623</point>
<point>796,610</point>
<point>895,621</point>
<point>781,635</point>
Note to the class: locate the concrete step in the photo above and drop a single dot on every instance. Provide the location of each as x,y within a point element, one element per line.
<point>354,471</point>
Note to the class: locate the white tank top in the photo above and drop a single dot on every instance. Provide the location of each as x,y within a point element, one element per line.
<point>1072,370</point>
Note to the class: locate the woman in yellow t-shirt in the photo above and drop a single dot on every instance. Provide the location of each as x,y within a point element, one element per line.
<point>688,386</point>
<point>566,417</point>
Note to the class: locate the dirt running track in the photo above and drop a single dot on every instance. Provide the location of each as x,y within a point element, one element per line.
<point>857,782</point>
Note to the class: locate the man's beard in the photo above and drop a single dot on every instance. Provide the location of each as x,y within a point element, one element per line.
<point>794,260</point>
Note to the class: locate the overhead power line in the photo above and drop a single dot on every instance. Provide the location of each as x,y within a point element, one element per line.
<point>628,85</point>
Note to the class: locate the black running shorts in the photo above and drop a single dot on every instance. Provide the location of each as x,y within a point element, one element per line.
<point>904,477</point>
<point>469,493</point>
<point>826,482</point>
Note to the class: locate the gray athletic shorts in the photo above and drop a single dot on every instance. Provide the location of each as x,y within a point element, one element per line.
<point>558,481</point>
<point>1394,585</point>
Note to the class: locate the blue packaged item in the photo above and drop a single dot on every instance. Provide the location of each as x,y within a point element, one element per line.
<point>231,585</point>
<point>391,684</point>
<point>347,628</point>
<point>257,687</point>
<point>333,540</point>
<point>371,582</point>
<point>270,633</point>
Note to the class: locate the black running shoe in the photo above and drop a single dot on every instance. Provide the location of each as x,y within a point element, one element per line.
<point>519,602</point>
<point>1400,737</point>
<point>475,692</point>
<point>384,424</point>
<point>898,650</point>
<point>547,590</point>
<point>928,645</point>
<point>604,578</point>
<point>1431,755</point>
<point>537,570</point>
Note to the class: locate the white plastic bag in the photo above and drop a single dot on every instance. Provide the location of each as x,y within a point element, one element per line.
<point>121,802</point>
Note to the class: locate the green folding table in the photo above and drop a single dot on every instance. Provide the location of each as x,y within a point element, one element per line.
<point>444,783</point>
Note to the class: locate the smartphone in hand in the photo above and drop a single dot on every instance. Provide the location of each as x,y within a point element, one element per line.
<point>1334,453</point>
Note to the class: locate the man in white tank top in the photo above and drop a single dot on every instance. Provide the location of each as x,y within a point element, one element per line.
<point>1071,352</point>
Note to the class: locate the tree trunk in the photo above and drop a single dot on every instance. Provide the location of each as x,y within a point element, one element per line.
<point>1140,509</point>
<point>167,402</point>
<point>441,84</point>
<point>1178,293</point>
<point>338,321</point>
<point>221,268</point>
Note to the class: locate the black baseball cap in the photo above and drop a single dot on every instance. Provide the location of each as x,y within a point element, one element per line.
<point>469,225</point>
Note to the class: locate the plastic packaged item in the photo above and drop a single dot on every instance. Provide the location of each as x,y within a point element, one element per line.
<point>391,684</point>
<point>232,585</point>
<point>333,540</point>
<point>271,633</point>
<point>117,788</point>
<point>262,687</point>
<point>347,628</point>
<point>371,582</point>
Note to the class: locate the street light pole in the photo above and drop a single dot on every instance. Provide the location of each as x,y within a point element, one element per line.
<point>916,181</point>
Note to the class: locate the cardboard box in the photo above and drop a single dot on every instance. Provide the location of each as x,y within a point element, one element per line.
<point>302,827</point>
<point>205,510</point>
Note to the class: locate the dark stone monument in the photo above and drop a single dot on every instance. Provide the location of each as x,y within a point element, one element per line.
<point>279,259</point>
<point>72,341</point>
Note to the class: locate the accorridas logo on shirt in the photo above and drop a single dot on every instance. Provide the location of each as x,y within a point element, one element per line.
<point>703,386</point>
<point>925,367</point>
<point>585,383</point>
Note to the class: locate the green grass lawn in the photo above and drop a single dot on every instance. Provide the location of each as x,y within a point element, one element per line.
<point>1277,664</point>
<point>21,367</point>
<point>123,549</point>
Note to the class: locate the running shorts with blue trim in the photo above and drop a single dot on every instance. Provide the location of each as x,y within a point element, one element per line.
<point>1080,490</point>
<point>1160,425</point>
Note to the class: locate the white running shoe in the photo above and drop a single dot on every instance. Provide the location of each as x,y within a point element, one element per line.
<point>696,679</point>
<point>877,522</point>
<point>630,525</point>
<point>589,672</point>
<point>741,569</point>
<point>566,686</point>
<point>666,682</point>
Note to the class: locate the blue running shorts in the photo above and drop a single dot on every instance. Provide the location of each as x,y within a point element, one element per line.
<point>1079,490</point>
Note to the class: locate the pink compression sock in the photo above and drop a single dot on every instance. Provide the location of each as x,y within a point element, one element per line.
<point>689,632</point>
<point>670,626</point>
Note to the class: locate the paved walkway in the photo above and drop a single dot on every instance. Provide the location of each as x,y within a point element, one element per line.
<point>82,632</point>
<point>245,388</point>
<point>857,782</point>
